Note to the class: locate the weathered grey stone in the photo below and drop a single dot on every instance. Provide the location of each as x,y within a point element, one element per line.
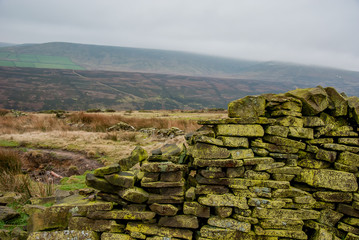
<point>66,234</point>
<point>312,163</point>
<point>102,171</point>
<point>137,155</point>
<point>315,100</point>
<point>285,213</point>
<point>312,121</point>
<point>289,121</point>
<point>196,209</point>
<point>207,151</point>
<point>329,217</point>
<point>234,172</point>
<point>230,163</point>
<point>171,176</point>
<point>298,132</point>
<point>250,174</point>
<point>277,130</point>
<point>331,179</point>
<point>154,229</point>
<point>258,160</point>
<point>159,198</point>
<point>333,196</point>
<point>249,130</point>
<point>353,103</point>
<point>265,203</point>
<point>135,194</point>
<point>347,228</point>
<point>348,210</point>
<point>229,223</point>
<point>223,212</point>
<point>289,224</point>
<point>241,153</point>
<point>100,184</point>
<point>284,142</point>
<point>227,199</point>
<point>349,158</point>
<point>122,214</point>
<point>329,156</point>
<point>212,189</point>
<point>7,213</point>
<point>159,167</point>
<point>337,102</point>
<point>349,141</point>
<point>164,209</point>
<point>84,223</point>
<point>234,141</point>
<point>122,179</point>
<point>179,221</point>
<point>280,233</point>
<point>247,107</point>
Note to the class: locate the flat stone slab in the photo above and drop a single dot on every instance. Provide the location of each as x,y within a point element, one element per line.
<point>331,179</point>
<point>179,221</point>
<point>208,151</point>
<point>154,229</point>
<point>229,223</point>
<point>217,162</point>
<point>162,167</point>
<point>285,213</point>
<point>250,130</point>
<point>226,200</point>
<point>122,214</point>
<point>67,234</point>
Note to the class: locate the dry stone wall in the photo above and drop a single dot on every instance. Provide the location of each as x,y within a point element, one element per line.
<point>282,166</point>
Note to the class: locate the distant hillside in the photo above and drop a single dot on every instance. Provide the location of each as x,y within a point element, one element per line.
<point>96,57</point>
<point>35,89</point>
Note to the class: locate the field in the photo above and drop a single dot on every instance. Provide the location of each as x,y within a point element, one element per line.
<point>8,59</point>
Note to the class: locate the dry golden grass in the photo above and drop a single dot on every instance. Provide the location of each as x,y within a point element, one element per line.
<point>86,132</point>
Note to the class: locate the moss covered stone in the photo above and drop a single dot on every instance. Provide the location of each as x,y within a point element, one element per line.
<point>312,163</point>
<point>179,221</point>
<point>250,130</point>
<point>100,172</point>
<point>235,141</point>
<point>277,130</point>
<point>122,214</point>
<point>331,179</point>
<point>229,163</point>
<point>229,223</point>
<point>333,196</point>
<point>135,194</point>
<point>64,235</point>
<point>100,184</point>
<point>241,153</point>
<point>158,167</point>
<point>285,142</point>
<point>196,209</point>
<point>122,179</point>
<point>315,100</point>
<point>299,132</point>
<point>301,214</point>
<point>208,151</point>
<point>250,106</point>
<point>226,200</point>
<point>84,223</point>
<point>154,229</point>
<point>349,158</point>
<point>115,236</point>
<point>289,224</point>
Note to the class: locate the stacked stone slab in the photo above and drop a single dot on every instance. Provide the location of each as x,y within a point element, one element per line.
<point>282,166</point>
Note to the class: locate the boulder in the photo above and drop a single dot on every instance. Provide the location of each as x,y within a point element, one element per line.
<point>315,100</point>
<point>247,107</point>
<point>7,213</point>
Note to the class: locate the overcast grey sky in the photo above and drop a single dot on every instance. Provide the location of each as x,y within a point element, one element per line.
<point>319,32</point>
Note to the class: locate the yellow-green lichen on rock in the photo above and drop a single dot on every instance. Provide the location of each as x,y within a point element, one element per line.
<point>330,179</point>
<point>247,107</point>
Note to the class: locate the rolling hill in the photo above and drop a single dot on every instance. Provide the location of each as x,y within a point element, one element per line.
<point>77,77</point>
